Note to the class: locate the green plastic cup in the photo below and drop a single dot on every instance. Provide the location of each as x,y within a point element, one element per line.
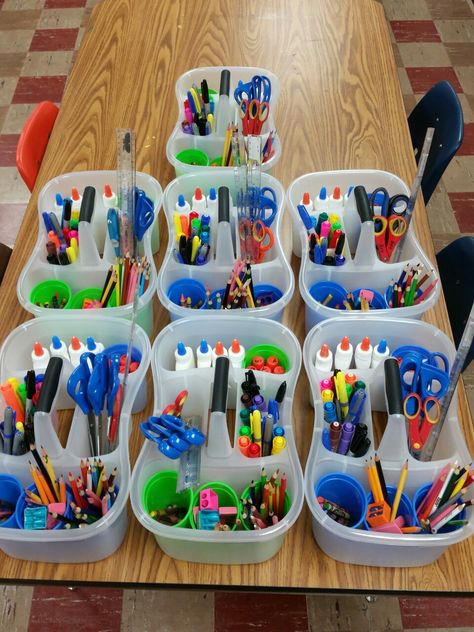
<point>93,293</point>
<point>160,491</point>
<point>216,162</point>
<point>266,351</point>
<point>44,292</point>
<point>226,495</point>
<point>246,493</point>
<point>193,157</point>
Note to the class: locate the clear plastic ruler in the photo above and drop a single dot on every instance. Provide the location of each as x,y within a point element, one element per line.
<point>189,472</point>
<point>126,177</point>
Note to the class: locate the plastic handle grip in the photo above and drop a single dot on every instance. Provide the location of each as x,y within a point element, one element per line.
<point>221,380</point>
<point>363,204</point>
<point>223,204</point>
<point>50,385</point>
<point>87,205</point>
<point>393,387</point>
<point>224,87</point>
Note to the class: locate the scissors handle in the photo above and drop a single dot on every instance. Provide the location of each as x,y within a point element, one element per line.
<point>144,213</point>
<point>266,202</point>
<point>97,386</point>
<point>397,227</point>
<point>380,234</point>
<point>79,380</point>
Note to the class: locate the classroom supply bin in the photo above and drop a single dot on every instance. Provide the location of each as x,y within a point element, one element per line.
<point>96,253</point>
<point>363,268</point>
<point>273,271</point>
<point>357,546</point>
<point>239,546</point>
<point>212,144</point>
<point>101,539</point>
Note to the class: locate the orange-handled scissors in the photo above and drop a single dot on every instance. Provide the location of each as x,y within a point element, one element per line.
<point>388,232</point>
<point>176,408</point>
<point>253,115</point>
<point>421,416</point>
<point>255,239</point>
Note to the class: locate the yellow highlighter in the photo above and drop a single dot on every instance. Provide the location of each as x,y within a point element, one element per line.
<point>177,226</point>
<point>341,392</point>
<point>256,425</point>
<point>196,243</point>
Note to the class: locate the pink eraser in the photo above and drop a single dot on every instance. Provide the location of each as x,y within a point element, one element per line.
<point>227,511</point>
<point>58,508</point>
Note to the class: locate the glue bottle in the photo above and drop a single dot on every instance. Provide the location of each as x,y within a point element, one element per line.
<point>307,202</point>
<point>321,201</point>
<point>76,349</point>
<point>212,200</point>
<point>199,201</point>
<point>363,354</point>
<point>204,355</point>
<point>336,202</point>
<point>109,198</point>
<point>236,354</point>
<point>219,350</point>
<point>181,205</point>
<point>344,353</point>
<point>58,349</point>
<point>381,351</point>
<point>184,357</point>
<point>40,358</point>
<point>93,346</point>
<point>324,358</point>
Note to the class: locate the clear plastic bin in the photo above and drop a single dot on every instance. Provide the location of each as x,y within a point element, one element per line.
<point>212,144</point>
<point>356,546</point>
<point>100,539</point>
<point>90,269</point>
<point>274,269</point>
<point>363,267</point>
<point>235,547</point>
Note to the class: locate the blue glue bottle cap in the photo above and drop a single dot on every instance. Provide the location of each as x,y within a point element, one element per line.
<point>181,349</point>
<point>203,347</point>
<point>90,343</point>
<point>56,342</point>
<point>323,193</point>
<point>212,194</point>
<point>59,199</point>
<point>181,200</point>
<point>382,346</point>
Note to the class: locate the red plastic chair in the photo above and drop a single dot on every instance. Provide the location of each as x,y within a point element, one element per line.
<point>33,141</point>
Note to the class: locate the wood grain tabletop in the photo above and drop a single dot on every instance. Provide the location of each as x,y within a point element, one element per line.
<point>340,107</point>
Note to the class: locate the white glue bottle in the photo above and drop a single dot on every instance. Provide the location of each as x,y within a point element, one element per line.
<point>199,203</point>
<point>381,351</point>
<point>343,356</point>
<point>93,346</point>
<point>58,349</point>
<point>182,206</point>
<point>184,358</point>
<point>363,354</point>
<point>324,358</point>
<point>307,202</point>
<point>219,350</point>
<point>236,354</point>
<point>40,358</point>
<point>212,200</point>
<point>76,349</point>
<point>204,355</point>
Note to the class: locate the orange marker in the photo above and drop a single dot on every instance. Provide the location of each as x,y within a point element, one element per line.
<point>10,398</point>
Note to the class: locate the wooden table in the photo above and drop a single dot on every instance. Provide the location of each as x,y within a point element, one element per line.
<point>340,107</point>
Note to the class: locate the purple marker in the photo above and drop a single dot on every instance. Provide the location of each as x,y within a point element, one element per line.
<point>346,437</point>
<point>259,402</point>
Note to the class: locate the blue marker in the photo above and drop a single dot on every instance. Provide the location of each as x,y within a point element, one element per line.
<point>330,414</point>
<point>356,405</point>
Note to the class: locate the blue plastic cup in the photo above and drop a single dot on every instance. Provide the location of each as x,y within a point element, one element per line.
<point>346,491</point>
<point>21,506</point>
<point>187,287</point>
<point>417,500</point>
<point>405,507</point>
<point>378,302</point>
<point>10,492</point>
<point>321,290</point>
<point>267,294</point>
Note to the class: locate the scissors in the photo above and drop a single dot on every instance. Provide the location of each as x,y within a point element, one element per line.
<point>259,87</point>
<point>255,239</point>
<point>77,389</point>
<point>388,232</point>
<point>176,408</point>
<point>395,205</point>
<point>171,434</point>
<point>253,114</point>
<point>422,371</point>
<point>421,416</point>
<point>144,213</point>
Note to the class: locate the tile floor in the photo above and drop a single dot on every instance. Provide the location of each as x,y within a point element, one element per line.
<point>432,40</point>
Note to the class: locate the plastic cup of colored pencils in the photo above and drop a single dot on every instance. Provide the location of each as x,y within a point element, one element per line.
<point>265,501</point>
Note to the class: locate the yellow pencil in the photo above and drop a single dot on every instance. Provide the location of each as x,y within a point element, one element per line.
<point>398,495</point>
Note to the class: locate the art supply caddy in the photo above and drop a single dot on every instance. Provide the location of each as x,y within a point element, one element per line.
<point>363,268</point>
<point>96,254</point>
<point>188,152</point>
<point>272,275</point>
<point>220,460</point>
<point>98,540</point>
<point>357,545</point>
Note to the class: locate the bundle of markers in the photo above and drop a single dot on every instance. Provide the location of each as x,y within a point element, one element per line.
<point>325,236</point>
<point>445,500</point>
<point>123,279</point>
<point>80,501</point>
<point>263,503</point>
<point>343,399</point>
<point>17,429</point>
<point>62,246</point>
<point>192,228</point>
<point>409,290</point>
<point>198,111</point>
<point>260,433</point>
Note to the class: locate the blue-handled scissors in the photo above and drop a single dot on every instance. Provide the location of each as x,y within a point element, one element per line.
<point>171,434</point>
<point>96,394</point>
<point>422,371</point>
<point>395,205</point>
<point>144,213</point>
<point>259,87</point>
<point>267,203</point>
<point>77,387</point>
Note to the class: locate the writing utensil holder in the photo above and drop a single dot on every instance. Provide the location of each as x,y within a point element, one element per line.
<point>362,268</point>
<point>212,144</point>
<point>96,253</point>
<point>274,269</point>
<point>356,546</point>
<point>102,538</point>
<point>238,546</point>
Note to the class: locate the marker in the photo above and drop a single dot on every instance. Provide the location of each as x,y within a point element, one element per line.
<point>93,346</point>
<point>381,351</point>
<point>351,378</point>
<point>356,405</point>
<point>341,392</point>
<point>40,358</point>
<point>184,358</point>
<point>324,358</point>
<point>219,350</point>
<point>327,395</point>
<point>181,205</point>
<point>76,204</point>
<point>256,426</point>
<point>346,437</point>
<point>76,348</point>
<point>307,202</point>
<point>344,353</point>
<point>236,354</point>
<point>58,349</point>
<point>58,204</point>
<point>329,409</point>
<point>212,200</point>
<point>204,355</point>
<point>363,354</point>
<point>199,201</point>
<point>278,444</point>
